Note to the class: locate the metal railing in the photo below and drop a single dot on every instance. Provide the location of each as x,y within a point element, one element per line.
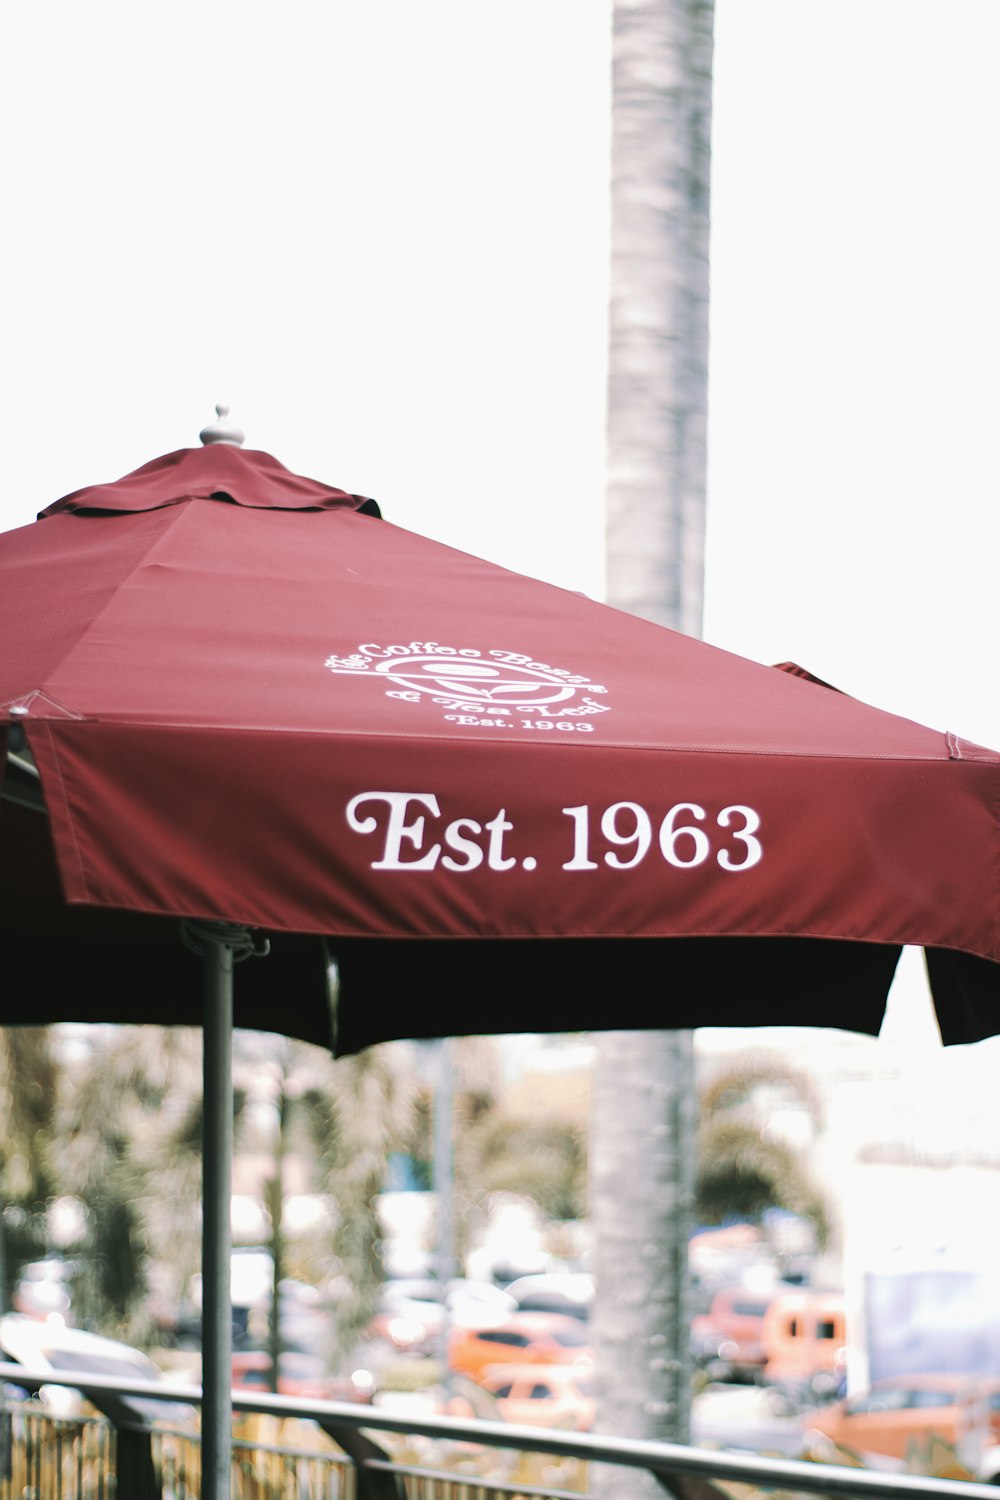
<point>287,1448</point>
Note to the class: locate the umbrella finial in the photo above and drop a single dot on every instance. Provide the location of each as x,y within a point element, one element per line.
<point>222,431</point>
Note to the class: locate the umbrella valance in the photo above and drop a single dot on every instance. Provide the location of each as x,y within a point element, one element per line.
<point>287,713</point>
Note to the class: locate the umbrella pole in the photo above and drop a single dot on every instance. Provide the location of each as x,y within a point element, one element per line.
<point>220,945</point>
<point>216,1241</point>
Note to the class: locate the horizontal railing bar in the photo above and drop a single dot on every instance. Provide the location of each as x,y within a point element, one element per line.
<point>668,1459</point>
<point>83,1380</point>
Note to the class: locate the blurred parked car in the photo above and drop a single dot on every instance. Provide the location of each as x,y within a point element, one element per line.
<point>804,1334</point>
<point>525,1338</point>
<point>542,1395</point>
<point>901,1416</point>
<point>477,1304</point>
<point>407,1322</point>
<point>71,1351</point>
<point>411,1318</point>
<point>727,1340</point>
<point>751,1418</point>
<point>469,1302</point>
<point>570,1292</point>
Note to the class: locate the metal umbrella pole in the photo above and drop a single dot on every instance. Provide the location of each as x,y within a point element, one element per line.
<point>221,945</point>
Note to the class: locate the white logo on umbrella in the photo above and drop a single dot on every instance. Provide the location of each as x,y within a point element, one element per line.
<point>469,681</point>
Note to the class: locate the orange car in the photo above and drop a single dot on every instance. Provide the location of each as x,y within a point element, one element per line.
<point>542,1395</point>
<point>804,1337</point>
<point>523,1338</point>
<point>727,1341</point>
<point>903,1414</point>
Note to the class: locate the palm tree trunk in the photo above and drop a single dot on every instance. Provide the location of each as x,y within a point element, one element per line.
<point>644,1122</point>
<point>658,326</point>
<point>642,1187</point>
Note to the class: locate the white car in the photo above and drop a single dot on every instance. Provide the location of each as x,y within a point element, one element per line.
<point>49,1346</point>
<point>554,1291</point>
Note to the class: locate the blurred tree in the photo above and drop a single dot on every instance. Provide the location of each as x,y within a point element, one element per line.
<point>745,1168</point>
<point>738,1086</point>
<point>544,1160</point>
<point>496,1151</point>
<point>27,1103</point>
<point>361,1115</point>
<point>741,1174</point>
<point>129,1152</point>
<point>467,1094</point>
<point>475,1092</point>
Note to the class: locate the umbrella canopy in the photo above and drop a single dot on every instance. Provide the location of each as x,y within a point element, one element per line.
<point>496,803</point>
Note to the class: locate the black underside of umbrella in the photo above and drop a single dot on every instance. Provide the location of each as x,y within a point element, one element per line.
<point>623,984</point>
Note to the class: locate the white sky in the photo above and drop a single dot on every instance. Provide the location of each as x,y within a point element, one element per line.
<point>379,231</point>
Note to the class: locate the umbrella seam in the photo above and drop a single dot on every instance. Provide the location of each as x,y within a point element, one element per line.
<point>176,726</point>
<point>479,936</point>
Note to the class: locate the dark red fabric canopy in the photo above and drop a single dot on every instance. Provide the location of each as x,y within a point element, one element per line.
<point>504,806</point>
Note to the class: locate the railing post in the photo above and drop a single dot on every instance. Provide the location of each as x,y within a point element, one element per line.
<point>687,1487</point>
<point>135,1470</point>
<point>372,1484</point>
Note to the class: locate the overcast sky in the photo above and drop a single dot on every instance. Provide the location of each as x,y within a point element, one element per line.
<point>379,231</point>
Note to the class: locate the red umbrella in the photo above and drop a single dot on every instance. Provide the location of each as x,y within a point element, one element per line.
<point>249,698</point>
<point>244,698</point>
